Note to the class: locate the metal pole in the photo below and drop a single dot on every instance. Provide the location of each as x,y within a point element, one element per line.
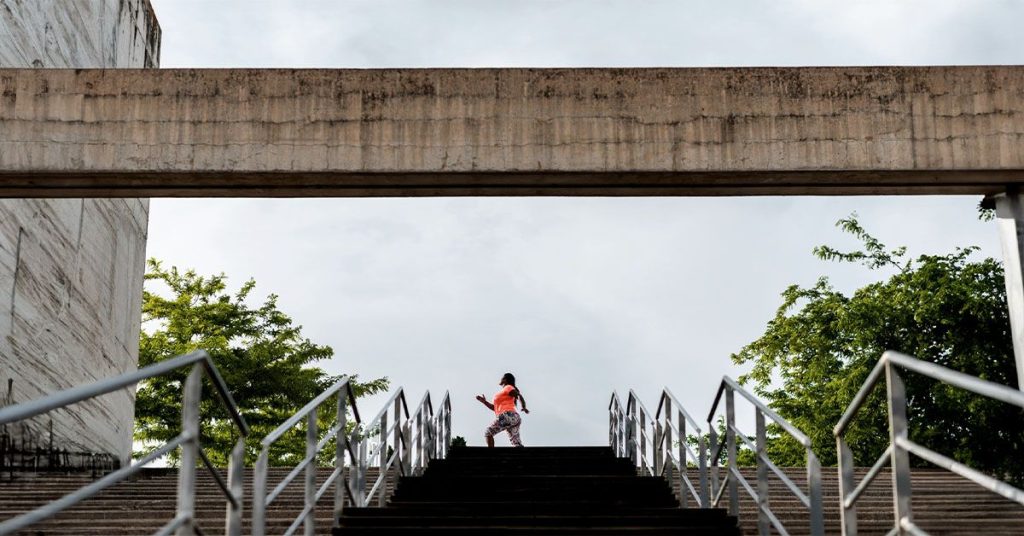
<point>419,442</point>
<point>259,495</point>
<point>659,447</point>
<point>397,437</point>
<point>1010,221</point>
<point>702,467</point>
<point>447,427</point>
<point>730,445</point>
<point>643,442</point>
<point>900,457</point>
<point>236,481</point>
<point>816,495</point>
<point>340,440</point>
<point>192,392</point>
<point>666,431</point>
<point>407,447</point>
<point>763,523</point>
<point>684,500</point>
<point>631,434</point>
<point>713,463</point>
<point>847,515</point>
<point>312,434</point>
<point>382,458</point>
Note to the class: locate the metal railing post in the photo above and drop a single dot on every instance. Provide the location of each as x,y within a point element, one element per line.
<point>683,463</point>
<point>192,392</point>
<point>631,442</point>
<point>713,463</point>
<point>667,429</point>
<point>356,479</point>
<point>659,446</point>
<point>814,490</point>
<point>312,432</point>
<point>900,457</point>
<point>847,514</point>
<point>407,448</point>
<point>382,458</point>
<point>419,443</point>
<point>643,441</point>
<point>612,440</point>
<point>763,523</point>
<point>447,425</point>
<point>399,448</point>
<point>702,465</point>
<point>340,444</point>
<point>236,481</point>
<point>730,445</point>
<point>259,495</point>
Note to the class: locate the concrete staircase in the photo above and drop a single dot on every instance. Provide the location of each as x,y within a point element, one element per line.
<point>943,502</point>
<point>144,504</point>
<point>535,490</point>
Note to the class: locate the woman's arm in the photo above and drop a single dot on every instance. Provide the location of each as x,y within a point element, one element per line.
<point>522,401</point>
<point>485,402</point>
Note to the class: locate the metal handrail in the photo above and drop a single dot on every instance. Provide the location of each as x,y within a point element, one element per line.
<point>637,419</point>
<point>663,415</point>
<point>184,521</point>
<point>812,499</point>
<point>901,447</point>
<point>417,438</point>
<point>346,396</point>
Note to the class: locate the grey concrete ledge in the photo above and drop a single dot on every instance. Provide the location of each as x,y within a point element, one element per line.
<point>426,132</point>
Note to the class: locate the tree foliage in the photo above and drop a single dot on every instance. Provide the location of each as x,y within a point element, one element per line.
<point>259,351</point>
<point>948,309</point>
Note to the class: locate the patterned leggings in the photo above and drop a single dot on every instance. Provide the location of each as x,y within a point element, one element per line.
<point>509,422</point>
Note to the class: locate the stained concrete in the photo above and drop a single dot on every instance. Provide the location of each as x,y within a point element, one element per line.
<point>735,131</point>
<point>71,270</point>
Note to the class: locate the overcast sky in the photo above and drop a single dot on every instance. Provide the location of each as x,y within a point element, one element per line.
<point>577,297</point>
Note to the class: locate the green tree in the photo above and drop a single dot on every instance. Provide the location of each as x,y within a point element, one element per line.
<point>262,355</point>
<point>948,309</point>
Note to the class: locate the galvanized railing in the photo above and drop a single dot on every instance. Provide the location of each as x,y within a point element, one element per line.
<point>188,440</point>
<point>900,445</point>
<point>766,519</point>
<point>344,395</point>
<point>669,407</point>
<point>658,444</point>
<point>397,444</point>
<point>647,440</point>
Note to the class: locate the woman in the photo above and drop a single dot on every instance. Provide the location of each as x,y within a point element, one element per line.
<point>504,407</point>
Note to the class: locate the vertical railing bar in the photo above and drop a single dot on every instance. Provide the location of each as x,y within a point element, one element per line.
<point>236,483</point>
<point>643,442</point>
<point>847,514</point>
<point>259,495</point>
<point>382,458</point>
<point>713,460</point>
<point>191,395</point>
<point>763,523</point>
<point>816,494</point>
<point>312,436</point>
<point>340,445</point>
<point>730,445</point>
<point>900,457</point>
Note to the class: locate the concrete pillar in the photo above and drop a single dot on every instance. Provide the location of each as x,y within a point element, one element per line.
<point>1010,219</point>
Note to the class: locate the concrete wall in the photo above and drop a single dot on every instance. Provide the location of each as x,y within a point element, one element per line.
<point>71,269</point>
<point>730,131</point>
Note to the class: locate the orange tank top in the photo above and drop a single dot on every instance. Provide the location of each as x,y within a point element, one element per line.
<point>505,401</point>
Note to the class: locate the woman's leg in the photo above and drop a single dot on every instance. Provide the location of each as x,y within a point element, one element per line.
<point>489,432</point>
<point>513,432</point>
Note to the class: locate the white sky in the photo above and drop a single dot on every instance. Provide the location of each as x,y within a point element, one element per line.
<point>576,296</point>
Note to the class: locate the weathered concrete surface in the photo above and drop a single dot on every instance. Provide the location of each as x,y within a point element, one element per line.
<point>71,269</point>
<point>931,130</point>
<point>78,33</point>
